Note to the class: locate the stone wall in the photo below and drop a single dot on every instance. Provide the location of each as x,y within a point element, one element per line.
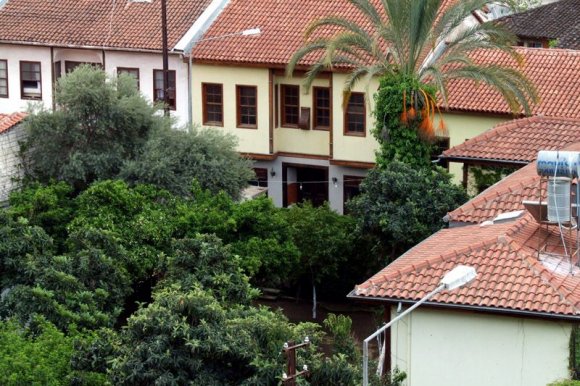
<point>9,160</point>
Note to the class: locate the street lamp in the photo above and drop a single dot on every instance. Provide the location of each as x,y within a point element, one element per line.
<point>457,277</point>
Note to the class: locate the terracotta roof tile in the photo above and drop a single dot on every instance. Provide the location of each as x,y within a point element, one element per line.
<point>99,23</point>
<point>519,140</point>
<point>510,276</point>
<point>282,23</point>
<point>8,121</point>
<point>505,196</point>
<point>539,23</point>
<point>555,73</point>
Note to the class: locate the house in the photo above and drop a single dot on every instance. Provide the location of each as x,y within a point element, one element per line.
<point>11,132</point>
<point>514,144</point>
<point>305,146</point>
<point>513,324</point>
<point>41,41</point>
<point>473,109</point>
<point>556,24</point>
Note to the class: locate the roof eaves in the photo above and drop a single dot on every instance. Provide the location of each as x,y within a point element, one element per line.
<point>494,310</point>
<point>200,26</point>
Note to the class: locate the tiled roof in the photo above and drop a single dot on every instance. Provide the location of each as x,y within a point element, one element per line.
<point>510,275</point>
<point>99,23</point>
<point>8,121</point>
<point>558,20</point>
<point>505,196</point>
<point>555,72</point>
<point>518,140</point>
<point>282,23</point>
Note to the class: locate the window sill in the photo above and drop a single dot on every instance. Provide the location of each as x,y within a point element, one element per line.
<point>354,134</point>
<point>212,123</point>
<point>322,128</point>
<point>25,98</point>
<point>252,127</point>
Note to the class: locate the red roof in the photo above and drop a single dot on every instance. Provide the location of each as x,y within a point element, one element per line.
<point>282,23</point>
<point>518,140</point>
<point>505,196</point>
<point>555,72</point>
<point>8,121</point>
<point>510,277</point>
<point>99,23</point>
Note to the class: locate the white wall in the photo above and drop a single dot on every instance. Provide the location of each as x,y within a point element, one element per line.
<point>451,348</point>
<point>146,62</point>
<point>14,54</point>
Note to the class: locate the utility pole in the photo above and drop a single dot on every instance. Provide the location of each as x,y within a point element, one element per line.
<point>289,379</point>
<point>165,58</point>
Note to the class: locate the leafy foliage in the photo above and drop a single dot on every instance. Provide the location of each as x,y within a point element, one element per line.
<point>401,205</point>
<point>100,123</point>
<point>401,35</point>
<point>173,159</point>
<point>399,141</point>
<point>38,355</point>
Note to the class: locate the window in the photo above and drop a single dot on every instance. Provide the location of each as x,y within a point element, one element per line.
<point>30,80</point>
<point>351,188</point>
<point>134,72</point>
<point>213,104</point>
<point>355,115</point>
<point>290,105</point>
<point>3,79</point>
<point>158,87</point>
<point>530,43</point>
<point>247,99</point>
<point>261,179</point>
<point>321,102</point>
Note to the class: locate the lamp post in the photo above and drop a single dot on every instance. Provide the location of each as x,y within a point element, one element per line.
<point>165,58</point>
<point>457,277</point>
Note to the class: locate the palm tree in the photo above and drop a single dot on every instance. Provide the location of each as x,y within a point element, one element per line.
<point>425,40</point>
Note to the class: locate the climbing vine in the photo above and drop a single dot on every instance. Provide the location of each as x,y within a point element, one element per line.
<point>404,115</point>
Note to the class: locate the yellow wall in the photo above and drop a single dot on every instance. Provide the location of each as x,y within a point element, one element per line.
<point>450,348</point>
<point>351,148</point>
<point>295,140</point>
<point>249,140</point>
<point>462,127</point>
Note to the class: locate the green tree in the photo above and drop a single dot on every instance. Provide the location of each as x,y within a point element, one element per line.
<point>99,123</point>
<point>401,205</point>
<point>421,45</point>
<point>38,355</point>
<point>173,159</point>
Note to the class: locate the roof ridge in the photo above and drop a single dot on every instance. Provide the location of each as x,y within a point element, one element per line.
<point>541,271</point>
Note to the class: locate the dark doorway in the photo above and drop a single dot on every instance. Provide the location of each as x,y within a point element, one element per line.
<point>305,183</point>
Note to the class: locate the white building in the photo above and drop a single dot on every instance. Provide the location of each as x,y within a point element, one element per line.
<point>42,41</point>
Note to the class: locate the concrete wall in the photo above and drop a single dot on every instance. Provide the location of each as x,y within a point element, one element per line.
<point>335,193</point>
<point>449,348</point>
<point>9,160</point>
<point>146,62</point>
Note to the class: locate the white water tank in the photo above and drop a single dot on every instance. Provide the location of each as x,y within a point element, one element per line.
<point>559,199</point>
<point>558,163</point>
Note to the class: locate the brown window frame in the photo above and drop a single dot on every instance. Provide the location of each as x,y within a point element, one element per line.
<point>346,129</point>
<point>172,102</point>
<point>22,80</point>
<point>261,179</point>
<point>205,104</point>
<point>316,108</point>
<point>349,182</point>
<point>5,61</point>
<point>283,105</point>
<point>239,106</point>
<point>131,71</point>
